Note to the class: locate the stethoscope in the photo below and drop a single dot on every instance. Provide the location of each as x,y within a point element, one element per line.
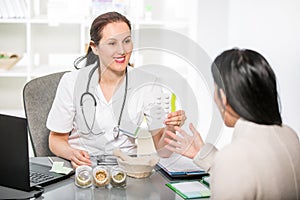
<point>116,129</point>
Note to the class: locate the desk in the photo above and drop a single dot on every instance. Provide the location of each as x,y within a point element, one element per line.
<point>151,188</point>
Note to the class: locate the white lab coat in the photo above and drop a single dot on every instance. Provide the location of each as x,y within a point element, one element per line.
<point>140,102</point>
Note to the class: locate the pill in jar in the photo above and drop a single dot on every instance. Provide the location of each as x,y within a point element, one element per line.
<point>118,177</point>
<point>101,176</point>
<point>83,176</point>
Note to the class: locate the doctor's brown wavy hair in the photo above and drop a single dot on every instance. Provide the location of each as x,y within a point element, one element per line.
<point>96,34</point>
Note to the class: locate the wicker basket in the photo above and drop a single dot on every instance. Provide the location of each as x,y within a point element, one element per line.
<point>139,167</point>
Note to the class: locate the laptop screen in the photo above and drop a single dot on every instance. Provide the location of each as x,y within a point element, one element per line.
<point>14,168</point>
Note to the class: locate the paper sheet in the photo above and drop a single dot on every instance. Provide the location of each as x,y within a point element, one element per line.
<point>58,167</point>
<point>179,163</point>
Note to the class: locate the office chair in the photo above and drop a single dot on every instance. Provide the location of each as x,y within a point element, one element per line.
<point>38,95</point>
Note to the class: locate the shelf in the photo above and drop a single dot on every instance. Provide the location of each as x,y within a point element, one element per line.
<point>149,22</point>
<point>45,20</point>
<point>51,37</point>
<point>45,70</point>
<point>159,23</point>
<point>16,71</point>
<point>42,20</point>
<point>13,21</point>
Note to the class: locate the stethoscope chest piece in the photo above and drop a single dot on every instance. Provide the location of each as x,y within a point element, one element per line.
<point>116,132</point>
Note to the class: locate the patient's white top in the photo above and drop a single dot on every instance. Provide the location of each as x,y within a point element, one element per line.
<point>61,118</point>
<point>261,162</point>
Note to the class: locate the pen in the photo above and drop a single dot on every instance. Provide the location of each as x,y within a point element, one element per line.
<point>195,173</point>
<point>50,159</point>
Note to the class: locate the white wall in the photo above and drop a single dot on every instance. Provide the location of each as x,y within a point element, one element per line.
<point>212,36</point>
<point>212,24</point>
<point>270,27</point>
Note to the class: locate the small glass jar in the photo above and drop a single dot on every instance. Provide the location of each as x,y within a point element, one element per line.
<point>118,177</point>
<point>101,176</point>
<point>83,176</point>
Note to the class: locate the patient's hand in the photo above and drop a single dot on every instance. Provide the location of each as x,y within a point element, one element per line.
<point>183,143</point>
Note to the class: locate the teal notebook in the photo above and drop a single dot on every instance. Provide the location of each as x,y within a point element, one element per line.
<point>190,189</point>
<point>206,180</point>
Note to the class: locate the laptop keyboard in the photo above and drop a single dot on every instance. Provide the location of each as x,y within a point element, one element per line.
<point>36,177</point>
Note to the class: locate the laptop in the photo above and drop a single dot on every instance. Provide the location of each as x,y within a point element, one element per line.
<point>15,169</point>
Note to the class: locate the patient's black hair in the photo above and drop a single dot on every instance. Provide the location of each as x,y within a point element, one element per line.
<point>249,84</point>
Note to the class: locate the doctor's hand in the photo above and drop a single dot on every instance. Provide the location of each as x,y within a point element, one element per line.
<point>80,157</point>
<point>176,118</point>
<point>183,143</point>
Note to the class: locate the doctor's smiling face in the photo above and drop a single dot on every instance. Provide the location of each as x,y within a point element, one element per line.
<point>115,47</point>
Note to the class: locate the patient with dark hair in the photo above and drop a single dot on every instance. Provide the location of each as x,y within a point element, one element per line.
<point>263,159</point>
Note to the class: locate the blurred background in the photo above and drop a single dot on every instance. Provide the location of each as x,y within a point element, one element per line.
<point>46,36</point>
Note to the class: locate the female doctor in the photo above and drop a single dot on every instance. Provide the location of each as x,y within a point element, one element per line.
<point>76,132</point>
